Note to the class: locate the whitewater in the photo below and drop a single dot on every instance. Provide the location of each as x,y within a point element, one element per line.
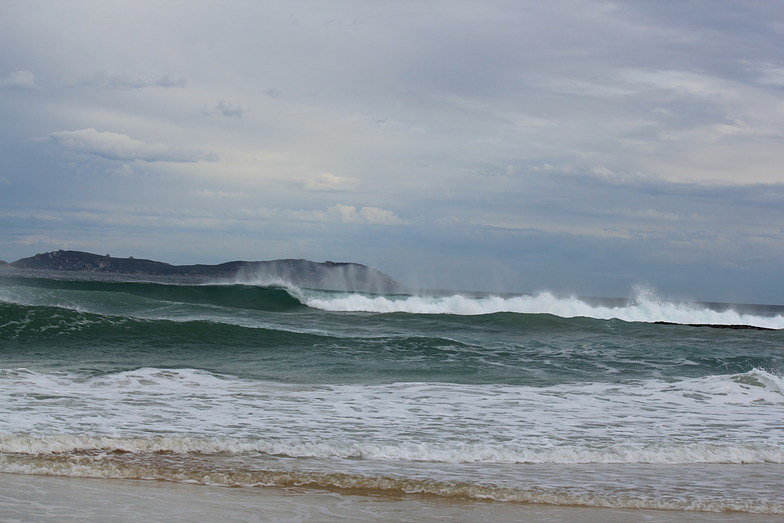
<point>644,307</point>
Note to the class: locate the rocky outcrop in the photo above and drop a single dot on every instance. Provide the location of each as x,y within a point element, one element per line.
<point>88,262</point>
<point>304,273</point>
<point>715,325</point>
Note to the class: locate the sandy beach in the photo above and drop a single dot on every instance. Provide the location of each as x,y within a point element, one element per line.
<point>28,498</point>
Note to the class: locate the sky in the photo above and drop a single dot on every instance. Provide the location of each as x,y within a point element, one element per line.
<point>581,147</point>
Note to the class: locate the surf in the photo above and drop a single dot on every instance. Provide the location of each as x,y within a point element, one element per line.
<point>188,409</point>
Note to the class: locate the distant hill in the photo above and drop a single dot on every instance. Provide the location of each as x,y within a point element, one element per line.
<point>304,273</point>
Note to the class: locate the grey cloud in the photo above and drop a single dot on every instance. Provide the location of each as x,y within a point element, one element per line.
<point>230,111</point>
<point>106,80</point>
<point>770,74</point>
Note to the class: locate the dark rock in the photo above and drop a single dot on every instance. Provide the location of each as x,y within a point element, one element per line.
<point>715,325</point>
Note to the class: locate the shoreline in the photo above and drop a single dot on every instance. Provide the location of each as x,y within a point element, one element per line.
<point>60,498</point>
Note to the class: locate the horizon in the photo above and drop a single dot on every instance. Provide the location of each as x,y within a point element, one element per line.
<point>570,147</point>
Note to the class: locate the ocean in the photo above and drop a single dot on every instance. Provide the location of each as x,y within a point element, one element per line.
<point>499,399</point>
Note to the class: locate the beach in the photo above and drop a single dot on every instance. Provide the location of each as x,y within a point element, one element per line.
<point>27,498</point>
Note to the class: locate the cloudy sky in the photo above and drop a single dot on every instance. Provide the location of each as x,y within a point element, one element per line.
<point>578,146</point>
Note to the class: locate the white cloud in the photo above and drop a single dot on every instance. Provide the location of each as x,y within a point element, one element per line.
<point>649,214</point>
<point>329,182</point>
<point>116,146</point>
<point>350,214</point>
<point>771,75</point>
<point>19,80</point>
<point>337,213</point>
<point>207,193</point>
<point>681,82</point>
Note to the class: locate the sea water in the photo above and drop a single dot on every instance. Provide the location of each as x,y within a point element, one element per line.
<point>509,399</point>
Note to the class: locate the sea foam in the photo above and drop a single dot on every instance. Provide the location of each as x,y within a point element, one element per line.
<point>717,419</point>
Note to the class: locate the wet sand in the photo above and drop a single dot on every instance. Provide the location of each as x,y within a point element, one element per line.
<point>27,498</point>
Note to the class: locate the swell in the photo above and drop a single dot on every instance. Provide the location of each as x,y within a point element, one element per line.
<point>495,348</point>
<point>237,296</point>
<point>31,323</point>
<point>43,337</point>
<point>47,337</point>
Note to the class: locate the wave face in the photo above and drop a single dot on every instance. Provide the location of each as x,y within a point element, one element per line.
<point>513,399</point>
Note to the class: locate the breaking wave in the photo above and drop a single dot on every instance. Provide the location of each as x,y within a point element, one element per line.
<point>118,297</point>
<point>645,307</point>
